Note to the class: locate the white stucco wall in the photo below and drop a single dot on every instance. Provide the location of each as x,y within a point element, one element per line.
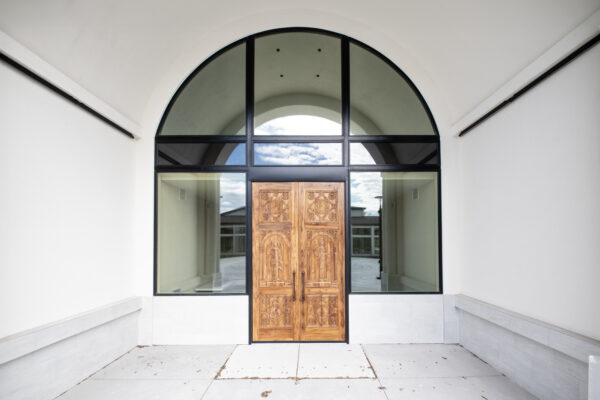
<point>531,194</point>
<point>518,231</point>
<point>66,207</point>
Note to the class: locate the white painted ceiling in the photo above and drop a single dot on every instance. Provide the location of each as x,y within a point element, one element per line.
<point>127,51</point>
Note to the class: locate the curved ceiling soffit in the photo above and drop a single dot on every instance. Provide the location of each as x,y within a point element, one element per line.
<point>299,104</point>
<point>201,50</point>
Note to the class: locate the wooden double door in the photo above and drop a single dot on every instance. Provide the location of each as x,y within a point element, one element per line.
<point>298,252</point>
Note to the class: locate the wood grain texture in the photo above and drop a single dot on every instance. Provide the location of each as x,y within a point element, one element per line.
<point>298,261</point>
<point>322,259</point>
<point>274,261</point>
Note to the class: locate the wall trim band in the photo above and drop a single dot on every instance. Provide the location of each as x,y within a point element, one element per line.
<point>572,344</point>
<point>20,344</point>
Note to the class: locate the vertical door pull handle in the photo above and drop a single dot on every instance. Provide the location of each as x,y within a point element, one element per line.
<point>303,297</point>
<point>294,286</point>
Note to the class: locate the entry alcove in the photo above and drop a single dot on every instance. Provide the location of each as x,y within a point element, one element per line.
<point>297,105</point>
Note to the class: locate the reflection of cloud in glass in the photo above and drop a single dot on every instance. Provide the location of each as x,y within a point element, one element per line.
<point>297,154</point>
<point>299,125</point>
<point>233,192</point>
<point>364,189</point>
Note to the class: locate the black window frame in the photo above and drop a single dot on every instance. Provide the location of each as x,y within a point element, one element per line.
<point>339,173</point>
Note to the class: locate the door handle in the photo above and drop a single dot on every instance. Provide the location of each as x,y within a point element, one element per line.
<point>294,286</point>
<point>303,297</point>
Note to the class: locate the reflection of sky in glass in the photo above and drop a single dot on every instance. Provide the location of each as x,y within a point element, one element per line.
<point>233,191</point>
<point>299,125</point>
<point>237,156</point>
<point>364,188</point>
<point>297,153</point>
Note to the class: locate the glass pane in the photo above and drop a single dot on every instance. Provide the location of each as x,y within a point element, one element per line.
<point>394,153</point>
<point>226,245</point>
<point>402,253</point>
<point>213,102</point>
<point>200,154</point>
<point>361,231</point>
<point>361,246</point>
<point>197,252</point>
<point>381,100</point>
<point>297,84</point>
<point>240,244</point>
<point>297,153</point>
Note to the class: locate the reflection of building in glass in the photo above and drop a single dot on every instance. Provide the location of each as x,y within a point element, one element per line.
<point>365,233</point>
<point>233,232</point>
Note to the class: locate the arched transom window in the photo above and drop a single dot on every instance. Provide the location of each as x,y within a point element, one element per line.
<point>297,105</point>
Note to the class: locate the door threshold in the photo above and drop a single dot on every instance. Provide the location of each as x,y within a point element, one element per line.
<point>296,341</point>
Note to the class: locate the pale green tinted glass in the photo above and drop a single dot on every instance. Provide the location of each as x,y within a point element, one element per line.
<point>402,256</point>
<point>297,87</point>
<point>381,101</point>
<point>213,102</point>
<point>201,243</point>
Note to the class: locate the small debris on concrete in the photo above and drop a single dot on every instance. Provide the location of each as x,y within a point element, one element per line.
<point>265,393</point>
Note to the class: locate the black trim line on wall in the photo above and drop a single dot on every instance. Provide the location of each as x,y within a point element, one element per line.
<point>64,94</point>
<point>573,55</point>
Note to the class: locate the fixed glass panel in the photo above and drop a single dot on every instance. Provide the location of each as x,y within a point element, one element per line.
<point>200,154</point>
<point>298,154</point>
<point>381,101</point>
<point>198,249</point>
<point>394,153</point>
<point>214,100</point>
<point>361,231</point>
<point>297,87</point>
<point>401,254</point>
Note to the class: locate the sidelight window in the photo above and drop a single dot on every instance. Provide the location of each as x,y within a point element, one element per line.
<point>201,233</point>
<point>400,254</point>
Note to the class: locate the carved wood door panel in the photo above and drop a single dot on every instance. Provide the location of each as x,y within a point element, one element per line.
<point>298,261</point>
<point>321,260</point>
<point>274,261</point>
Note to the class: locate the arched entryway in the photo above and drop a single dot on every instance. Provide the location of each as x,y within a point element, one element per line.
<point>293,109</point>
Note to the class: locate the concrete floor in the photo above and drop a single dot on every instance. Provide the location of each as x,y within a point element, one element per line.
<point>298,371</point>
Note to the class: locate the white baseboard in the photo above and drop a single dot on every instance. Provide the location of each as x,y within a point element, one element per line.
<point>193,320</point>
<point>396,318</point>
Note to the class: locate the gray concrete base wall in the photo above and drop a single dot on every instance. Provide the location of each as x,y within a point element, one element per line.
<point>548,362</point>
<point>43,363</point>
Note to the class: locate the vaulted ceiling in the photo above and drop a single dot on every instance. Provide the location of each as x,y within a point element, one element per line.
<point>132,52</point>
